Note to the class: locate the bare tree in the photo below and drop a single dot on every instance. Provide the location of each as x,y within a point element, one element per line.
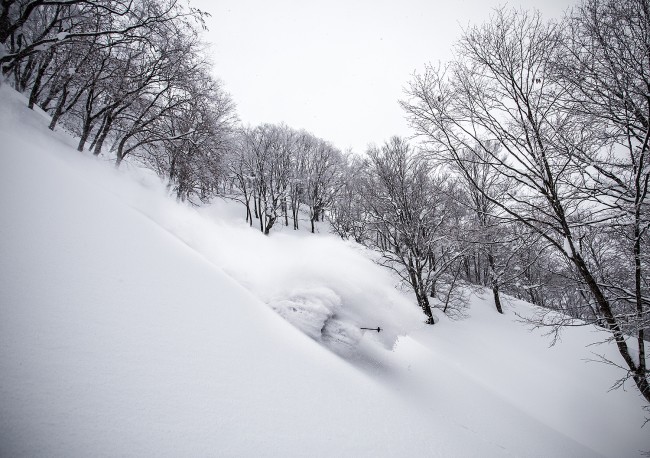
<point>305,142</point>
<point>192,139</point>
<point>504,88</point>
<point>112,19</point>
<point>263,171</point>
<point>348,217</point>
<point>409,218</point>
<point>486,230</point>
<point>604,70</point>
<point>321,172</point>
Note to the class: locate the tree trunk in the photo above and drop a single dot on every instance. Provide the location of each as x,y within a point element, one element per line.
<point>294,211</point>
<point>26,74</point>
<point>269,221</point>
<point>98,134</point>
<point>102,135</point>
<point>249,215</point>
<point>120,151</point>
<point>497,301</point>
<point>259,210</point>
<point>285,210</point>
<point>467,269</point>
<point>59,108</point>
<point>494,282</point>
<point>638,293</point>
<point>423,302</point>
<point>36,87</point>
<point>420,292</point>
<point>84,136</point>
<point>637,371</point>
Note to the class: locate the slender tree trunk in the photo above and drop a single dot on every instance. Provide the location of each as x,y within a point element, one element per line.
<point>638,294</point>
<point>249,215</point>
<point>59,108</point>
<point>120,151</point>
<point>172,170</point>
<point>36,87</point>
<point>315,212</point>
<point>497,300</point>
<point>98,134</point>
<point>26,74</point>
<point>285,210</point>
<point>103,134</point>
<point>46,103</point>
<point>494,282</point>
<point>84,136</point>
<point>294,211</point>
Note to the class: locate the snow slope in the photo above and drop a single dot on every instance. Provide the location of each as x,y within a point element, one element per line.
<point>131,325</point>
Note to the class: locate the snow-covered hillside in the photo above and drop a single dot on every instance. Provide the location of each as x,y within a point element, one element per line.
<point>132,325</point>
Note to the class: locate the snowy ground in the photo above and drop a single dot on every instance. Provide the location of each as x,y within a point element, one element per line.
<point>131,325</point>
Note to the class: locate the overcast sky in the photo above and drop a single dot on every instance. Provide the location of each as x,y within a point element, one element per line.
<point>336,67</point>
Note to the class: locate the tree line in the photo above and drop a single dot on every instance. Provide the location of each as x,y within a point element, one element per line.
<point>132,72</point>
<point>548,125</point>
<point>528,173</point>
<point>275,169</point>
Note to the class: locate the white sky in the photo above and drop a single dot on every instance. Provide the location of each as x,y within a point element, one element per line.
<point>336,68</point>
